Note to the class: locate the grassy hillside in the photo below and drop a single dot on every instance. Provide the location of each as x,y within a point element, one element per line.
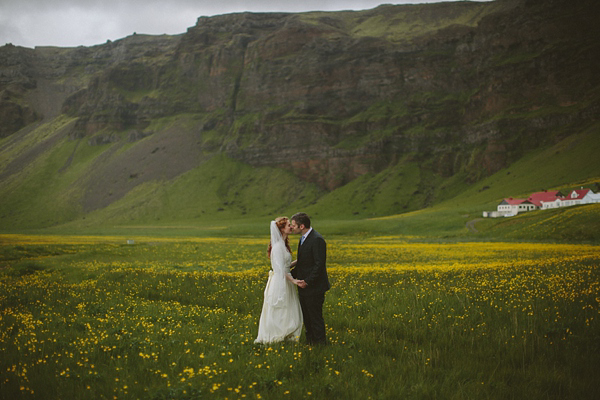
<point>425,98</point>
<point>226,197</point>
<point>569,164</point>
<point>573,224</point>
<point>568,161</point>
<point>39,194</point>
<point>405,23</point>
<point>220,189</point>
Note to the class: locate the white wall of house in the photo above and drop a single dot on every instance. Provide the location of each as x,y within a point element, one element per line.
<point>515,208</point>
<point>568,202</point>
<point>590,198</point>
<point>509,208</point>
<point>527,207</point>
<point>523,207</point>
<point>552,204</point>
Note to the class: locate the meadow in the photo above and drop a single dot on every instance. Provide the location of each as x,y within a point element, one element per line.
<point>92,317</point>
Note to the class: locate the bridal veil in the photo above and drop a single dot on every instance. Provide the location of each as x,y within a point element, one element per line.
<point>276,295</point>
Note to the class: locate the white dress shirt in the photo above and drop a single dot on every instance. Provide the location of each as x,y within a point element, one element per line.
<point>305,235</point>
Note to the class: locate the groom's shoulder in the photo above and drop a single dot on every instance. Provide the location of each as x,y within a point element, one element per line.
<point>318,235</point>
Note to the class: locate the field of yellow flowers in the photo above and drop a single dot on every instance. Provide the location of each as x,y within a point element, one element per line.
<point>159,318</point>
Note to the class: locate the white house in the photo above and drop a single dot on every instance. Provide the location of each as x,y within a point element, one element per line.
<point>514,206</point>
<point>546,199</point>
<point>590,198</point>
<point>543,200</point>
<point>556,203</point>
<point>575,197</point>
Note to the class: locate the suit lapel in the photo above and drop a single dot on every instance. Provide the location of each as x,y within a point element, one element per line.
<point>301,246</point>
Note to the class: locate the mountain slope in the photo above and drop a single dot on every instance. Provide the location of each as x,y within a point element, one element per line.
<point>348,114</point>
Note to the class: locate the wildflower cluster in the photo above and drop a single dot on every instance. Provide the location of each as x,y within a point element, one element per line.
<point>172,318</point>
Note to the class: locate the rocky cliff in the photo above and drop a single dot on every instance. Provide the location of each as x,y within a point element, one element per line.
<point>460,88</point>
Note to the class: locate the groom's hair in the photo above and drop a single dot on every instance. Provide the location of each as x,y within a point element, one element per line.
<point>302,219</point>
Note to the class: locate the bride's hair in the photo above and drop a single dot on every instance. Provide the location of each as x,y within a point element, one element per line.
<point>280,222</point>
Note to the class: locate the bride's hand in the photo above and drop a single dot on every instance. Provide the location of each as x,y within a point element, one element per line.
<point>301,284</point>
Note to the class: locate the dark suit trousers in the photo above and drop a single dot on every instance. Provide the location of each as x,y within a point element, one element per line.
<point>314,324</point>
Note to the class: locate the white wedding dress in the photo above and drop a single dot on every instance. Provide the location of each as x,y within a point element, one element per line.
<point>281,317</point>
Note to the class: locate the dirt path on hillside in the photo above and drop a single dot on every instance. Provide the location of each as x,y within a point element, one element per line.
<point>471,224</point>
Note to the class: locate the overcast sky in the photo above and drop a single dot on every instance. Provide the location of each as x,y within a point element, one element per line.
<point>69,23</point>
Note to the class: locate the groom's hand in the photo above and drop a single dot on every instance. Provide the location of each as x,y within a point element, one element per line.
<point>302,284</point>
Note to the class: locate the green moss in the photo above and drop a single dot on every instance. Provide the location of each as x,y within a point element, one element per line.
<point>244,128</point>
<point>40,195</point>
<point>13,149</point>
<point>514,58</point>
<point>391,191</point>
<point>404,23</point>
<point>183,121</point>
<point>138,95</point>
<point>382,110</point>
<point>398,23</point>
<point>218,189</point>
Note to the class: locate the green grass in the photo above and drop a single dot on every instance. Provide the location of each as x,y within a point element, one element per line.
<point>12,149</point>
<point>174,318</point>
<point>388,192</point>
<point>224,198</point>
<point>400,23</point>
<point>47,194</point>
<point>230,196</point>
<point>573,224</point>
<point>219,189</point>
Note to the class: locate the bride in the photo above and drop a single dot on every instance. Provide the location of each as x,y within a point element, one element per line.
<point>281,317</point>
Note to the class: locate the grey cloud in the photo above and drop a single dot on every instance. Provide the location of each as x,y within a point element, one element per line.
<point>69,23</point>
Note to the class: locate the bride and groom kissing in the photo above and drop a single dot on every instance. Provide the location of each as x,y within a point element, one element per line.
<point>295,290</point>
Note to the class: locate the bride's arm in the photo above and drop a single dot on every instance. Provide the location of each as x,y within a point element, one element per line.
<point>277,263</point>
<point>290,278</point>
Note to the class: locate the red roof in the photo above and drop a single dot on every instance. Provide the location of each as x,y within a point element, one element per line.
<point>580,194</point>
<point>513,202</point>
<point>537,197</point>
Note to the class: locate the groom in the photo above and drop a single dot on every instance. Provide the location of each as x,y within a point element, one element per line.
<point>312,272</point>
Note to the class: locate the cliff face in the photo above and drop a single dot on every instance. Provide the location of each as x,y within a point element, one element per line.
<point>458,87</point>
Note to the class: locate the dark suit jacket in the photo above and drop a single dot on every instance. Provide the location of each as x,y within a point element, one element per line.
<point>311,265</point>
